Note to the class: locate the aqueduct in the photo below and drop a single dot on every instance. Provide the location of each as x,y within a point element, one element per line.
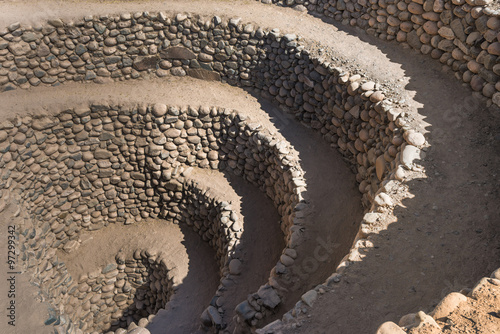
<point>245,166</point>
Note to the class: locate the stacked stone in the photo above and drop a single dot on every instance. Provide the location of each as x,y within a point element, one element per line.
<point>463,34</point>
<point>213,219</point>
<point>120,293</point>
<point>91,166</point>
<point>336,103</point>
<point>120,162</point>
<point>350,111</point>
<point>122,47</point>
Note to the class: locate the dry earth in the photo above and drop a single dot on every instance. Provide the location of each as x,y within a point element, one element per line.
<point>445,237</point>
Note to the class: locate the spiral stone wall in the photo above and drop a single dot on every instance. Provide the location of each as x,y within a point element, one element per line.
<point>119,164</point>
<point>333,101</point>
<point>84,169</point>
<point>463,34</point>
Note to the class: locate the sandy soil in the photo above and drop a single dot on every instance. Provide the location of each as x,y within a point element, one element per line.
<point>445,237</point>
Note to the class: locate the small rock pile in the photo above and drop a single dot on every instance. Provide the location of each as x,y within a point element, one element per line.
<point>476,302</point>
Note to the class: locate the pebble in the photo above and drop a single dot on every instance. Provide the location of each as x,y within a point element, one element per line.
<point>159,109</point>
<point>214,316</point>
<point>496,274</point>
<point>377,96</point>
<point>178,71</point>
<point>414,138</point>
<point>286,260</point>
<point>102,154</point>
<point>19,138</point>
<point>494,48</point>
<point>389,327</point>
<point>235,267</point>
<point>370,85</point>
<point>448,304</point>
<point>309,297</point>
<point>409,154</point>
<point>173,133</point>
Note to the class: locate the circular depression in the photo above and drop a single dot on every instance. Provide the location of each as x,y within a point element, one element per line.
<point>341,114</point>
<point>91,187</point>
<point>63,220</point>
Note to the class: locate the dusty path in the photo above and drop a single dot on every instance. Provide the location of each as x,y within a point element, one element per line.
<point>336,206</point>
<point>445,237</point>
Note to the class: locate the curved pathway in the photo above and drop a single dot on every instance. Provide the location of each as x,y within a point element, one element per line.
<point>445,236</point>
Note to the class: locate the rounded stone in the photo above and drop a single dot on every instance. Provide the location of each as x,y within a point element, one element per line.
<point>496,98</point>
<point>19,138</point>
<point>370,85</point>
<point>477,83</point>
<point>178,72</point>
<point>159,109</point>
<point>389,328</point>
<point>286,260</point>
<point>446,32</point>
<point>173,133</point>
<point>494,48</point>
<point>87,156</point>
<point>139,330</point>
<point>409,154</point>
<point>213,155</point>
<point>235,267</point>
<point>377,96</point>
<point>415,138</point>
<point>448,304</point>
<point>496,274</point>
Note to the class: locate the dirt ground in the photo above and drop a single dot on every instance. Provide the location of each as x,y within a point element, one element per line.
<point>445,237</point>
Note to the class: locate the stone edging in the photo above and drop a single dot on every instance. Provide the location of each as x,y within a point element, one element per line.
<point>462,34</point>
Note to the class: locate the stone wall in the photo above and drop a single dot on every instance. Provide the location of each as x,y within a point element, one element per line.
<point>463,34</point>
<point>121,293</point>
<point>89,167</point>
<point>333,101</point>
<point>124,158</point>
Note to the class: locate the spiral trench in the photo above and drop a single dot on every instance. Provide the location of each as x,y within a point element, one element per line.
<point>174,171</point>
